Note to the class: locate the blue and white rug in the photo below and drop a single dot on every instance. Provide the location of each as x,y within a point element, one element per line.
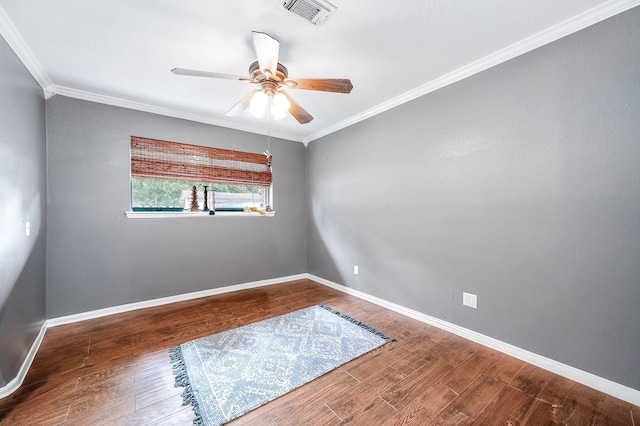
<point>228,374</point>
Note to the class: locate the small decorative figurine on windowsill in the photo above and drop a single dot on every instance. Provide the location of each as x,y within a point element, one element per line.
<point>194,199</point>
<point>206,200</point>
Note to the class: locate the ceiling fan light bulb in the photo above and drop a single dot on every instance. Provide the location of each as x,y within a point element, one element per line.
<point>258,104</point>
<point>259,99</point>
<point>278,113</point>
<point>281,102</point>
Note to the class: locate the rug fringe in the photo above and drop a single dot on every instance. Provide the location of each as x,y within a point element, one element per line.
<point>360,324</point>
<point>189,398</point>
<point>179,369</point>
<point>178,366</point>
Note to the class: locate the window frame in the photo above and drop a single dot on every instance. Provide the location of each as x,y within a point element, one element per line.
<point>176,161</point>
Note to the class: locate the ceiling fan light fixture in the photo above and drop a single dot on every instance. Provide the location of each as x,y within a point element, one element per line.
<point>278,113</point>
<point>280,106</point>
<point>281,101</point>
<point>258,104</point>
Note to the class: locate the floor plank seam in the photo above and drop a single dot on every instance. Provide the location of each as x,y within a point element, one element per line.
<point>490,400</point>
<point>334,413</point>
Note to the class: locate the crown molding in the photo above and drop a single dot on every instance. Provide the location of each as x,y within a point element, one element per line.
<point>563,29</point>
<point>20,48</point>
<point>567,27</point>
<point>170,112</point>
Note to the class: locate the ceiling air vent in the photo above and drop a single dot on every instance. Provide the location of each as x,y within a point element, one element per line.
<point>313,11</point>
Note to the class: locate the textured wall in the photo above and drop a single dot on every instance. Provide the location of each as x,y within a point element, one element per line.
<point>23,197</point>
<point>520,184</point>
<point>98,258</point>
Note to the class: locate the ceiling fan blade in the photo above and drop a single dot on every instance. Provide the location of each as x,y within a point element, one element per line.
<point>338,85</point>
<point>195,73</point>
<point>297,111</point>
<point>267,49</point>
<point>242,105</point>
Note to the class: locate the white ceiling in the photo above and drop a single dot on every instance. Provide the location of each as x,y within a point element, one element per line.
<point>120,52</point>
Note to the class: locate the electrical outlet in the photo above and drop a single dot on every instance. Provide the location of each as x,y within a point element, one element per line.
<point>470,300</point>
<point>355,270</point>
<point>27,229</point>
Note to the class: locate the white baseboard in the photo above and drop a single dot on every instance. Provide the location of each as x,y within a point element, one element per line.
<point>607,386</point>
<point>67,319</point>
<point>604,385</point>
<point>14,384</point>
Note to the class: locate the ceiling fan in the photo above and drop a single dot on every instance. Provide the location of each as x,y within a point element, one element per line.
<point>272,78</point>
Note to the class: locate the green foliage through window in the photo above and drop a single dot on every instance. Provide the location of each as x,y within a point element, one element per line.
<point>158,193</point>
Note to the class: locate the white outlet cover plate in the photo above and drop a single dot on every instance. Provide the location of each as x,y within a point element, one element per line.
<point>470,300</point>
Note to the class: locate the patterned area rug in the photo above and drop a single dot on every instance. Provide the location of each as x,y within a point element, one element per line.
<point>228,374</point>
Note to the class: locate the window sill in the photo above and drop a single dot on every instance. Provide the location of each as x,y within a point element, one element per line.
<point>167,215</point>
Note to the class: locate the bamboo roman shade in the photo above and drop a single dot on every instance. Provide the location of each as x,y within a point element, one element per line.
<point>156,159</point>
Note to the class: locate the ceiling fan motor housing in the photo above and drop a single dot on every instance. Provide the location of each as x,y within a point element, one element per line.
<point>268,82</point>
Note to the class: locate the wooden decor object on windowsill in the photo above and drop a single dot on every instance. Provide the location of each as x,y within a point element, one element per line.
<point>194,199</point>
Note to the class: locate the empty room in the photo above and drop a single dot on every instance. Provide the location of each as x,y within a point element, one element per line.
<point>320,212</point>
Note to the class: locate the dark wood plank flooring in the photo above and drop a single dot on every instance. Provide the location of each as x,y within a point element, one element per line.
<point>115,371</point>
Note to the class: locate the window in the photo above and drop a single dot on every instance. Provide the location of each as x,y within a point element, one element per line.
<point>164,173</point>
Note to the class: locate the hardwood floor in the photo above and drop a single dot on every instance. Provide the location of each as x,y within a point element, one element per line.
<point>115,370</point>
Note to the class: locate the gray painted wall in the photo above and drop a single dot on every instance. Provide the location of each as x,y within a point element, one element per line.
<point>520,184</point>
<point>96,257</point>
<point>23,197</point>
